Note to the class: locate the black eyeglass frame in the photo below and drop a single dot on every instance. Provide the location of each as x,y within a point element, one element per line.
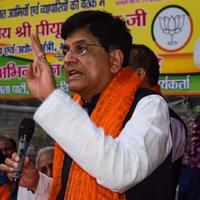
<point>80,49</point>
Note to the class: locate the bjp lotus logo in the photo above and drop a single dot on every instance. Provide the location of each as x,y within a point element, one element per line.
<point>172,25</point>
<point>171,28</point>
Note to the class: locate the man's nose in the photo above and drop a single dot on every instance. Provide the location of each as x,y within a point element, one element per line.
<point>70,57</point>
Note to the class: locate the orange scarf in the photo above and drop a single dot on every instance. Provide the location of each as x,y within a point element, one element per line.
<point>109,113</point>
<point>5,191</point>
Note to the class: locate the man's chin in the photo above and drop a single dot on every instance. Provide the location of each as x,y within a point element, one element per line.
<point>74,88</point>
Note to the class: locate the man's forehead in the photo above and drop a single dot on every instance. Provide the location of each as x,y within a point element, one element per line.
<point>46,159</point>
<point>5,140</point>
<point>80,35</point>
<point>5,143</point>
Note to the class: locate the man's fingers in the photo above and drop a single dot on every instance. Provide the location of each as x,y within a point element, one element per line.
<point>33,70</point>
<point>6,168</point>
<point>36,43</point>
<point>36,47</point>
<point>37,40</point>
<point>29,72</point>
<point>10,176</point>
<point>15,157</point>
<point>11,163</point>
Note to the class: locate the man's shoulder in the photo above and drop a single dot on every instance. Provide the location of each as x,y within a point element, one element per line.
<point>144,92</point>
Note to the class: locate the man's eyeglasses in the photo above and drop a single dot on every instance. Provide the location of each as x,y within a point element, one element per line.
<point>78,50</point>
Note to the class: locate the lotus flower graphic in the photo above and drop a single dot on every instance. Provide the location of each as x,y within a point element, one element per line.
<point>171,26</point>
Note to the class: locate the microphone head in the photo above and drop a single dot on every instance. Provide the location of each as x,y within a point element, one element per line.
<point>26,127</point>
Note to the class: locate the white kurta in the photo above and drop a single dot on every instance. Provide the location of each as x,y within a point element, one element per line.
<point>117,164</point>
<point>41,194</point>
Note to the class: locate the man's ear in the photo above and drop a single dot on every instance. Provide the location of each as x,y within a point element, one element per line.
<point>116,59</point>
<point>141,73</point>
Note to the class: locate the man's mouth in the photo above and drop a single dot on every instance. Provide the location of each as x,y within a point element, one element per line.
<point>73,73</point>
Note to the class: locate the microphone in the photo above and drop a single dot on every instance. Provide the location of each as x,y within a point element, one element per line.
<point>25,132</point>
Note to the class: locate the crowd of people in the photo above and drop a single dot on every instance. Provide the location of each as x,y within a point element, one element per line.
<point>44,163</point>
<point>7,147</point>
<point>116,139</point>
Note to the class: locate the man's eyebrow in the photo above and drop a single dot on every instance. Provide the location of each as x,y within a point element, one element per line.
<point>76,42</point>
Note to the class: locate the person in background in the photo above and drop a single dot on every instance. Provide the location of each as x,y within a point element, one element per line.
<point>4,183</point>
<point>7,147</point>
<point>189,183</point>
<point>44,163</point>
<point>104,150</point>
<point>146,64</point>
<point>44,160</point>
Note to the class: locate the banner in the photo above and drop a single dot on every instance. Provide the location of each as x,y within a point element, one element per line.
<point>180,84</point>
<point>169,27</point>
